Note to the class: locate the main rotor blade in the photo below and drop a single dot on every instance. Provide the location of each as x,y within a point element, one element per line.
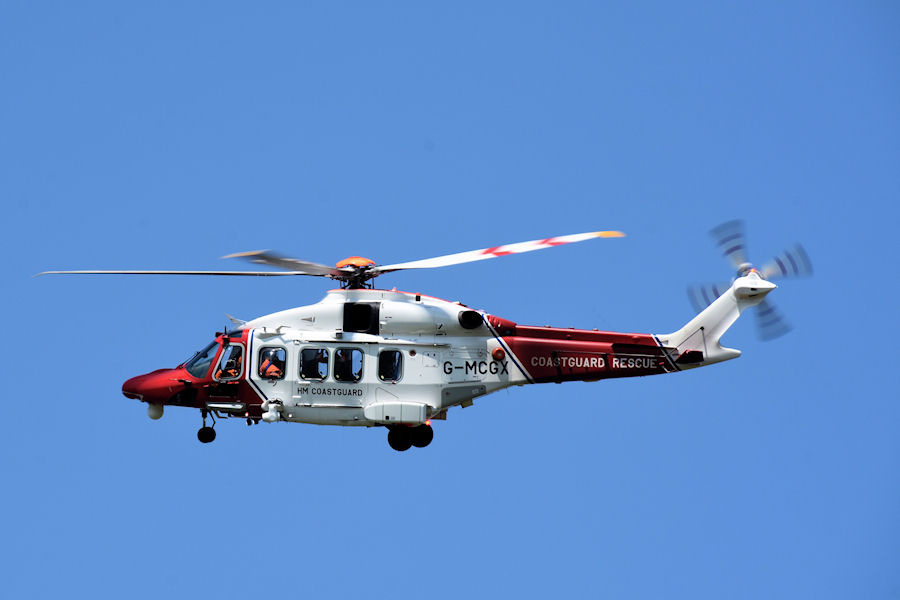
<point>731,241</point>
<point>264,257</point>
<point>230,273</point>
<point>703,295</point>
<point>769,321</point>
<point>793,262</point>
<point>496,251</point>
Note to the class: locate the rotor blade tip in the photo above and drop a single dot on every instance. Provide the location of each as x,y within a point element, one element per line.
<point>609,234</point>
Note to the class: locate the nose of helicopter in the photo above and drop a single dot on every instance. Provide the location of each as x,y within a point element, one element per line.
<point>144,387</point>
<point>133,388</point>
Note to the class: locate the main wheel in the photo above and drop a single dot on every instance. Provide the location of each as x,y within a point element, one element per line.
<point>206,434</point>
<point>421,435</point>
<point>399,439</point>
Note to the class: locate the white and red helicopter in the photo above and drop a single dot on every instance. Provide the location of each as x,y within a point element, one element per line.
<point>370,357</point>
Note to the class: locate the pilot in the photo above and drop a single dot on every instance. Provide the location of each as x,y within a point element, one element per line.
<point>232,368</point>
<point>271,366</point>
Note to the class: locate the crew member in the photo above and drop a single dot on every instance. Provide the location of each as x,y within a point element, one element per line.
<point>232,368</point>
<point>271,367</point>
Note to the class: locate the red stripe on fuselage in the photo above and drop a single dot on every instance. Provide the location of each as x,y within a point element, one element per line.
<point>552,354</point>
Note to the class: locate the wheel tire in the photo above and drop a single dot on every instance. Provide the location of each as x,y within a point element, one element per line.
<point>399,439</point>
<point>206,434</point>
<point>422,435</point>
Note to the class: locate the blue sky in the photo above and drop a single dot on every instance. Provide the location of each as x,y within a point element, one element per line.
<point>170,134</point>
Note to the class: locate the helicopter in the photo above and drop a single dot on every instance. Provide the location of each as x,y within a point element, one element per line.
<point>371,357</point>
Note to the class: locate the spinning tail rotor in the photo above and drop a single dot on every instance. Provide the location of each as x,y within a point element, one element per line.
<point>731,241</point>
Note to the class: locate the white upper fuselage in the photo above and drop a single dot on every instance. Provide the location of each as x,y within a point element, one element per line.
<point>443,363</point>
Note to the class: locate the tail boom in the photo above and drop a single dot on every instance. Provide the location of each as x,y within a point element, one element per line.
<point>550,354</point>
<point>555,355</point>
<point>699,339</point>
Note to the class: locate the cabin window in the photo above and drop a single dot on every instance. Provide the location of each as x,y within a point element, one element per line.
<point>361,317</point>
<point>199,365</point>
<point>271,363</point>
<point>314,363</point>
<point>348,364</point>
<point>390,365</point>
<point>231,363</point>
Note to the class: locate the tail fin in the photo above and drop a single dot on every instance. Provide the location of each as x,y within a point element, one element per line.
<point>702,333</point>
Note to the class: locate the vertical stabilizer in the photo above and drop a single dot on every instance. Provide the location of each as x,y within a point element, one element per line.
<point>702,333</point>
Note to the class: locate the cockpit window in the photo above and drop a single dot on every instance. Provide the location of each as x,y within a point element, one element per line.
<point>231,364</point>
<point>199,365</point>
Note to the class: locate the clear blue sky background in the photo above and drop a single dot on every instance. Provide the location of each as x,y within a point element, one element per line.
<point>169,134</point>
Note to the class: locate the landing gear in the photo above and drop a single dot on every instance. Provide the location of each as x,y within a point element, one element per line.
<point>401,438</point>
<point>206,434</point>
<point>421,435</point>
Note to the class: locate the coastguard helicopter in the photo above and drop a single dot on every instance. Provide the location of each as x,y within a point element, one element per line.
<point>370,357</point>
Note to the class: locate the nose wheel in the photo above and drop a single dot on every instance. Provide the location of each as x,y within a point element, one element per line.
<point>402,438</point>
<point>206,434</point>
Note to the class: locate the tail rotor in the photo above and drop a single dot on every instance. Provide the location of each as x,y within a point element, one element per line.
<point>793,262</point>
<point>769,321</point>
<point>731,242</point>
<point>702,295</point>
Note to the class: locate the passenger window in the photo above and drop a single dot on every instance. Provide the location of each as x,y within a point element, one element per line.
<point>348,364</point>
<point>390,363</point>
<point>231,364</point>
<point>271,363</point>
<point>314,363</point>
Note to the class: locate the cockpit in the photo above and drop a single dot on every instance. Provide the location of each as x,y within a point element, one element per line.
<point>208,380</point>
<point>198,366</point>
<point>230,363</point>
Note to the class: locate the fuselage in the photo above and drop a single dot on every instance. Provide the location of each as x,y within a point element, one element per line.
<point>376,357</point>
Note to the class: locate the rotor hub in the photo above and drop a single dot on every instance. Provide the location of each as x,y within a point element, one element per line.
<point>356,261</point>
<point>745,269</point>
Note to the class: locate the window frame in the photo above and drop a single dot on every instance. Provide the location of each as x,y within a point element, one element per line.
<point>362,364</point>
<point>327,363</point>
<point>243,364</point>
<point>259,363</point>
<point>398,353</point>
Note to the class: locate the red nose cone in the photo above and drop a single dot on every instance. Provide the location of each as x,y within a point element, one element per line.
<point>150,387</point>
<point>133,389</point>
